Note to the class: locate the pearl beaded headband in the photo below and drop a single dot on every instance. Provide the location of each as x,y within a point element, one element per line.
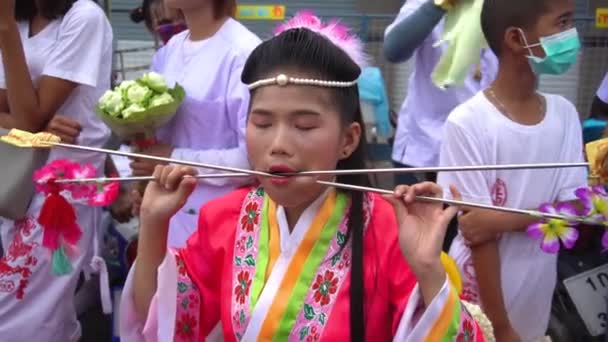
<point>283,80</point>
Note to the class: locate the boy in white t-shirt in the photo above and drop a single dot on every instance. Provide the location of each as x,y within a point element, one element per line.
<point>511,123</point>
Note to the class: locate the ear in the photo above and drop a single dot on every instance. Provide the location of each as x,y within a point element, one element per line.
<point>515,41</point>
<point>351,136</point>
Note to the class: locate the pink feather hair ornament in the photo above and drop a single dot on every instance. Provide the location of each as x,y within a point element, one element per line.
<point>336,32</point>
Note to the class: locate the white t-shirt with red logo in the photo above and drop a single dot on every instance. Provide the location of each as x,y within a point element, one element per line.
<point>476,133</point>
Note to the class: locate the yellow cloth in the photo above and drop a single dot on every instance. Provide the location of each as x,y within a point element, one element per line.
<point>597,156</point>
<point>452,270</point>
<point>462,31</point>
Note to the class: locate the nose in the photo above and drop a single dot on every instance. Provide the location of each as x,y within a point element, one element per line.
<point>280,142</point>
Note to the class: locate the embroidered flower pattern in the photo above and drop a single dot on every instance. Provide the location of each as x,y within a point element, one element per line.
<point>251,217</point>
<point>245,256</point>
<point>324,287</point>
<point>467,331</point>
<point>554,230</point>
<point>326,283</point>
<point>188,305</point>
<point>185,327</point>
<point>241,290</point>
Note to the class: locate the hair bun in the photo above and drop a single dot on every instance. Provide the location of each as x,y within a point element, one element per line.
<point>137,15</point>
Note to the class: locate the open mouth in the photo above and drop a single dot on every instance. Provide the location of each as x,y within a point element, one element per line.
<point>281,170</point>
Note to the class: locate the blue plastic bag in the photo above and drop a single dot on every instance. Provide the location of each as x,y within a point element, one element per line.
<point>373,91</point>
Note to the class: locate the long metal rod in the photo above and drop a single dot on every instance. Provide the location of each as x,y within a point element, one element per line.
<point>442,169</point>
<point>144,178</point>
<point>161,159</point>
<point>329,172</point>
<point>533,213</point>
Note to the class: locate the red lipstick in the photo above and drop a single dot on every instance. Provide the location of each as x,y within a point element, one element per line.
<point>280,169</point>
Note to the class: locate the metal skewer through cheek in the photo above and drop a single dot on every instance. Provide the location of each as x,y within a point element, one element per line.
<point>145,178</point>
<point>470,204</point>
<point>327,172</point>
<point>162,159</point>
<point>243,172</point>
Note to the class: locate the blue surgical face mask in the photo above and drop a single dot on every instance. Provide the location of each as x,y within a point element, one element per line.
<point>561,51</point>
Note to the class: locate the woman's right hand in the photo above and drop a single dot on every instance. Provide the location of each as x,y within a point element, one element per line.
<point>167,193</point>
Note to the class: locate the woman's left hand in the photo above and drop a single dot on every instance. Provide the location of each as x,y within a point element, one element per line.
<point>422,227</point>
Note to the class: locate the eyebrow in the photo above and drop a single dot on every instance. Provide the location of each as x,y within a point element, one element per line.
<point>298,112</point>
<point>566,15</point>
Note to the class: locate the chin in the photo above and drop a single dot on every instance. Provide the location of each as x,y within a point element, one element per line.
<point>294,193</point>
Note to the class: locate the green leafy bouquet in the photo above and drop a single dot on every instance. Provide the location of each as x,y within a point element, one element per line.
<point>135,109</point>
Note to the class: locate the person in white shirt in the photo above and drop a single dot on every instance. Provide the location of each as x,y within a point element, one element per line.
<point>512,123</point>
<point>418,26</point>
<point>56,58</point>
<point>209,127</point>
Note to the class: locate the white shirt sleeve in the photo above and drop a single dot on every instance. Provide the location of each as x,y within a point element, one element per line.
<point>571,179</point>
<point>602,92</point>
<point>237,103</point>
<point>461,148</point>
<point>80,46</point>
<point>158,60</point>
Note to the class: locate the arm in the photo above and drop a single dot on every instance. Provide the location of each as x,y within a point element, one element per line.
<point>446,318</point>
<point>486,261</point>
<point>237,104</point>
<point>32,108</point>
<point>151,249</point>
<point>435,316</point>
<point>481,225</point>
<point>410,30</point>
<point>3,99</point>
<point>7,121</point>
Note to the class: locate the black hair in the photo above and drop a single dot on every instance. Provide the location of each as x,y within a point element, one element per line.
<point>316,56</point>
<point>144,13</point>
<point>498,15</point>
<point>49,9</point>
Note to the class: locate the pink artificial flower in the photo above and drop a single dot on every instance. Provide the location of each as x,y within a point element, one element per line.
<point>57,169</point>
<point>105,194</point>
<point>82,190</point>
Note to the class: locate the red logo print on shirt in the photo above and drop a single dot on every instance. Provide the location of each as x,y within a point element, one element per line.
<point>499,192</point>
<point>18,260</point>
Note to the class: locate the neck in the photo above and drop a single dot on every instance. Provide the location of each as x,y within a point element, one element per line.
<point>515,93</point>
<point>201,22</point>
<point>522,76</point>
<point>293,215</point>
<point>37,24</point>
